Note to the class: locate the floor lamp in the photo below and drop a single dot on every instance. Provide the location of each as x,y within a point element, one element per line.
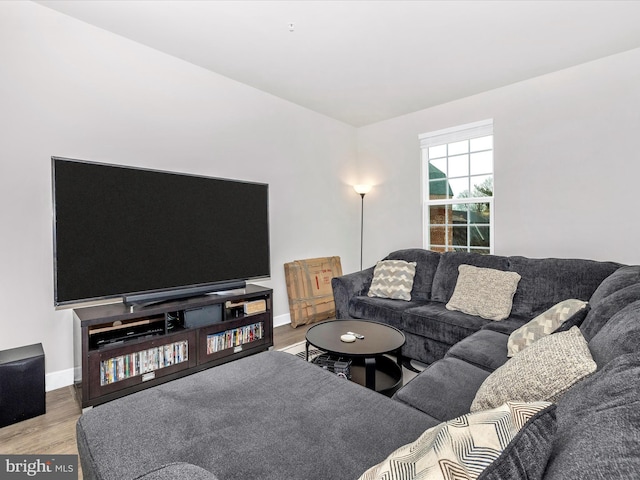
<point>362,190</point>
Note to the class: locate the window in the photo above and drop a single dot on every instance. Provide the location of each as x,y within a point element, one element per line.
<point>457,180</point>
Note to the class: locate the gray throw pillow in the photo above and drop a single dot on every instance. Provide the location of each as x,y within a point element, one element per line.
<point>542,372</point>
<point>393,279</point>
<point>484,292</point>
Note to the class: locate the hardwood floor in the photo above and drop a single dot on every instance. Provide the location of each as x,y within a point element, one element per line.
<point>55,431</point>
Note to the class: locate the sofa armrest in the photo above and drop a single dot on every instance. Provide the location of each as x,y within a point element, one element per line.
<point>348,286</point>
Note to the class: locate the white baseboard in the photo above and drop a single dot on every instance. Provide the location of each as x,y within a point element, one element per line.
<point>59,379</point>
<point>281,320</point>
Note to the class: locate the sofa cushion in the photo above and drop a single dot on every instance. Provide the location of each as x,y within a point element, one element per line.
<point>381,309</point>
<point>547,281</point>
<point>621,278</point>
<point>485,292</point>
<point>460,448</point>
<point>433,320</point>
<point>620,335</point>
<point>526,456</point>
<point>392,279</point>
<point>506,326</point>
<point>485,349</point>
<point>607,308</point>
<point>450,378</point>
<point>542,325</point>
<point>544,371</point>
<point>427,263</point>
<point>446,276</point>
<point>598,425</point>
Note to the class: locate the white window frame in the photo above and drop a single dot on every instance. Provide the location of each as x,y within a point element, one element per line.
<point>451,135</point>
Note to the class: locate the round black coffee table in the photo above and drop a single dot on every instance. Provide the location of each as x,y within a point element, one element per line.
<point>369,365</point>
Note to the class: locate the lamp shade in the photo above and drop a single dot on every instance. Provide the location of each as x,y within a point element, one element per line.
<point>362,189</point>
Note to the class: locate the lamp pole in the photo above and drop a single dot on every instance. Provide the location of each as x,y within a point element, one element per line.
<point>361,190</point>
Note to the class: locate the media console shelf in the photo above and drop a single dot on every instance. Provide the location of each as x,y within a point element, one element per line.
<point>127,349</point>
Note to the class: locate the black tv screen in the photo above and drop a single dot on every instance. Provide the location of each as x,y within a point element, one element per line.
<point>120,231</point>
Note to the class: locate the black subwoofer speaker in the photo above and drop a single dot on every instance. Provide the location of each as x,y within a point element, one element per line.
<point>22,393</point>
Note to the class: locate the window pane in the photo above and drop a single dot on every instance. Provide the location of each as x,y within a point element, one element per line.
<point>459,187</point>
<point>460,236</point>
<point>438,169</point>
<point>439,189</point>
<point>481,162</point>
<point>482,143</point>
<point>479,213</point>
<point>482,186</point>
<point>440,235</point>
<point>479,235</point>
<point>438,214</point>
<point>458,147</point>
<point>459,166</point>
<point>438,151</point>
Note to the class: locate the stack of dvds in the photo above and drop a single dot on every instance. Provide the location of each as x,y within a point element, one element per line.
<point>137,363</point>
<point>234,338</point>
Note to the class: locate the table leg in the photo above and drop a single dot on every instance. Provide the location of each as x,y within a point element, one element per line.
<point>399,358</point>
<point>370,372</point>
<point>306,346</point>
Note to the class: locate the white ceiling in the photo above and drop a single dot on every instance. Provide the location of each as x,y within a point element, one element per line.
<point>366,61</point>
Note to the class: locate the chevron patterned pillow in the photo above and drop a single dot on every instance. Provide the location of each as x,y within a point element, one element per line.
<point>542,325</point>
<point>459,449</point>
<point>393,279</point>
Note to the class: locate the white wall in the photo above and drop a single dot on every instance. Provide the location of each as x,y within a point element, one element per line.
<point>70,89</point>
<point>566,164</point>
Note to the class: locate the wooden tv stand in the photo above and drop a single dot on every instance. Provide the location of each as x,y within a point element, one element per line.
<point>127,349</point>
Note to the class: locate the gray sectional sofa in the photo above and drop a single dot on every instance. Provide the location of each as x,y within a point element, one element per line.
<point>275,416</point>
<point>430,328</point>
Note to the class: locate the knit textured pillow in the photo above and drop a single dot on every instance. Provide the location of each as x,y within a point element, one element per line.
<point>458,449</point>
<point>542,325</point>
<point>542,372</point>
<point>393,279</point>
<point>484,292</point>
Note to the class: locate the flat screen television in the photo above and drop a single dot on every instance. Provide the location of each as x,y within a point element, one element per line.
<point>148,235</point>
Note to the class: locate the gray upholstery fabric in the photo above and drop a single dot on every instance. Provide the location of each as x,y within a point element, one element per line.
<point>435,321</point>
<point>620,335</point>
<point>598,425</point>
<point>526,456</point>
<point>451,379</point>
<point>506,326</point>
<point>547,281</point>
<point>268,416</point>
<point>446,276</point>
<point>607,308</point>
<point>427,264</point>
<point>348,286</point>
<point>485,349</point>
<point>383,310</point>
<point>621,278</point>
<point>423,349</point>
<point>177,470</point>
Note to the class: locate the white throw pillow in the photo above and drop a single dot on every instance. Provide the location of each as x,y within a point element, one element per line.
<point>485,292</point>
<point>541,372</point>
<point>460,448</point>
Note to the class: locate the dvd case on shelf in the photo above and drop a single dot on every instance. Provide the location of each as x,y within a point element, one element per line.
<point>234,338</point>
<point>138,363</point>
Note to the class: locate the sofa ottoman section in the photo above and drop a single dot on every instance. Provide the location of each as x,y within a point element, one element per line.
<point>445,389</point>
